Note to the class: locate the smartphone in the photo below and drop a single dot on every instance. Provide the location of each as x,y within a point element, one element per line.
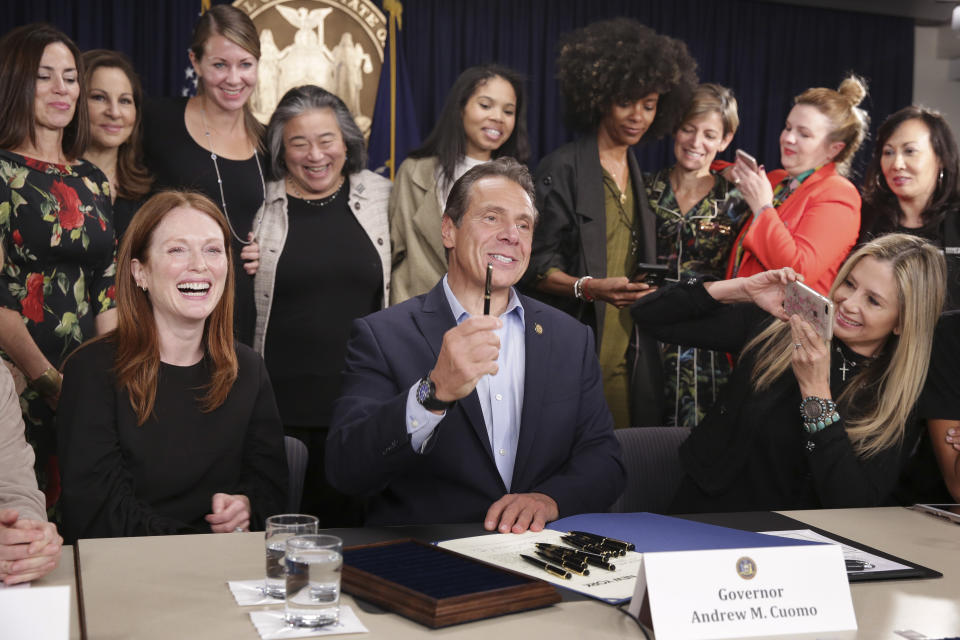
<point>651,274</point>
<point>949,511</point>
<point>748,160</point>
<point>810,305</point>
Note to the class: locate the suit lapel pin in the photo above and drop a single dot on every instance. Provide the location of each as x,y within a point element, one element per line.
<point>538,329</point>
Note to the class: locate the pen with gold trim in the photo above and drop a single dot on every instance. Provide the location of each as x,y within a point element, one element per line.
<point>626,546</point>
<point>594,559</point>
<point>546,566</point>
<point>570,564</point>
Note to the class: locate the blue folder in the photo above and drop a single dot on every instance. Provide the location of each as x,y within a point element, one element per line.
<point>654,532</point>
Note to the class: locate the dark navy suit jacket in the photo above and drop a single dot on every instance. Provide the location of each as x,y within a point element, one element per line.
<point>566,447</point>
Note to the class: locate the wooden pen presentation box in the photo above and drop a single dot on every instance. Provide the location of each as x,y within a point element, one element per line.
<point>437,587</point>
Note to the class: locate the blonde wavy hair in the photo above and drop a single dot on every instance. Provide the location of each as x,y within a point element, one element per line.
<point>887,390</point>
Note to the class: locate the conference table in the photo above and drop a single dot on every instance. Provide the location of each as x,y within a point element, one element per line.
<point>175,586</point>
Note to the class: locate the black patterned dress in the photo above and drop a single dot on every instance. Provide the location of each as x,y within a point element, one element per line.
<point>693,243</point>
<point>59,248</point>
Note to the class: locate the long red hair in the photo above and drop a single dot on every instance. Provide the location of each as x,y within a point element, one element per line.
<point>137,362</point>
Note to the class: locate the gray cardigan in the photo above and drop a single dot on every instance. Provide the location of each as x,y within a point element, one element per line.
<point>369,194</point>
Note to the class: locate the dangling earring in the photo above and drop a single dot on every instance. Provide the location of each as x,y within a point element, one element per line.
<point>940,179</point>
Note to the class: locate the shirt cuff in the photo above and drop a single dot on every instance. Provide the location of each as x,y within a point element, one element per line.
<point>420,421</point>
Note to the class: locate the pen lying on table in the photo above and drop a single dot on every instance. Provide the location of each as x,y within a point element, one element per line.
<point>595,559</point>
<point>546,566</point>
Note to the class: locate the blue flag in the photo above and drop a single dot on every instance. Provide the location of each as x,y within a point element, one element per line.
<point>394,131</point>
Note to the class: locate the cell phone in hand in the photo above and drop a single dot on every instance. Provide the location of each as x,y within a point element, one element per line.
<point>651,274</point>
<point>748,160</point>
<point>810,305</point>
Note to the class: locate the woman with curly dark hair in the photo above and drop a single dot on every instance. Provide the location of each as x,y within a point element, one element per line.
<point>913,185</point>
<point>484,117</point>
<point>621,82</point>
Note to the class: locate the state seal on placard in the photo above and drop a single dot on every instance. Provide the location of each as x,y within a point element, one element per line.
<point>746,568</point>
<point>334,44</point>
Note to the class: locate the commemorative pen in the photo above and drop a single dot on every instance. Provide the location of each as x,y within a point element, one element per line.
<point>588,546</point>
<point>563,559</point>
<point>627,546</point>
<point>595,559</point>
<point>599,544</point>
<point>546,566</point>
<point>575,567</point>
<point>486,289</point>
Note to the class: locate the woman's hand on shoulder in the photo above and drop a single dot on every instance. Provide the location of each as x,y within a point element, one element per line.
<point>229,512</point>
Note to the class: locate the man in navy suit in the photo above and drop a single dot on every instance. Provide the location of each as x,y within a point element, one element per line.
<point>450,415</point>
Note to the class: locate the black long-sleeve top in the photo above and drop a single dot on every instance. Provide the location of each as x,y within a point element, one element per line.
<point>751,451</point>
<point>121,479</point>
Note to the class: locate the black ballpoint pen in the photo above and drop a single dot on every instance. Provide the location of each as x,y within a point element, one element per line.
<point>549,568</point>
<point>627,546</point>
<point>595,559</point>
<point>576,567</point>
<point>588,546</point>
<point>601,545</point>
<point>486,289</point>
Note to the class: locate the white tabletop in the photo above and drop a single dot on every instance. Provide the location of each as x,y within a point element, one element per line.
<point>175,586</point>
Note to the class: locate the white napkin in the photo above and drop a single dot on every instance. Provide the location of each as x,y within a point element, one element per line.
<point>250,592</point>
<point>271,626</point>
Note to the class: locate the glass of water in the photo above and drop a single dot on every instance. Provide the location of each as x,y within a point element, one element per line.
<point>279,528</point>
<point>313,580</point>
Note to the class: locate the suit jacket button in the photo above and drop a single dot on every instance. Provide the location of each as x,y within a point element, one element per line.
<point>380,241</point>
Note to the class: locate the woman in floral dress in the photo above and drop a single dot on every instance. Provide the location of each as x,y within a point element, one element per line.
<point>696,229</point>
<point>56,228</point>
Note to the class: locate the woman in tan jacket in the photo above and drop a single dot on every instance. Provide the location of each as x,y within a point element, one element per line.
<point>484,117</point>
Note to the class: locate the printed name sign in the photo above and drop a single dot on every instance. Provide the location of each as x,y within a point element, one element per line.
<point>726,593</point>
<point>27,613</point>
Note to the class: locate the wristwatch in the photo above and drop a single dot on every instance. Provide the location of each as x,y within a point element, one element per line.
<point>818,413</point>
<point>427,395</point>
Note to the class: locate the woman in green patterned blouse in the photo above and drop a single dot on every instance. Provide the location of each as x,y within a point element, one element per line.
<point>695,233</point>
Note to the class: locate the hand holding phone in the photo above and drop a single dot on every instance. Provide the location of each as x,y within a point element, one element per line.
<point>748,160</point>
<point>815,308</point>
<point>651,274</point>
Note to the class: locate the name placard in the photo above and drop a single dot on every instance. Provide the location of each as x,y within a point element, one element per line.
<point>726,593</point>
<point>27,613</point>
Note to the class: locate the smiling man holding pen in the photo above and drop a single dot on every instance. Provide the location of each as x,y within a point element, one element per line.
<point>448,414</point>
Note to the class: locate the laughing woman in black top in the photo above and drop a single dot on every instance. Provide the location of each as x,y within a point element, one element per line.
<point>803,423</point>
<point>326,262</point>
<point>166,425</point>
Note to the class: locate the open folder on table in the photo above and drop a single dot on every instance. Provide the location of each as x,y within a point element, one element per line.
<point>648,531</point>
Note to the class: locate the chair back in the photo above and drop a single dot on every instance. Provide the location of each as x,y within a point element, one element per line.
<point>297,468</point>
<point>652,458</point>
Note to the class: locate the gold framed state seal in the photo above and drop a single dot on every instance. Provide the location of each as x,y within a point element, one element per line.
<point>334,44</point>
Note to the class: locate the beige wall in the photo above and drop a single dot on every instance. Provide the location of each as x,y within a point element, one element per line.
<point>932,86</point>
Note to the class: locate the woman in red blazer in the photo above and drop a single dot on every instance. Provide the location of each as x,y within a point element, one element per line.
<point>806,215</point>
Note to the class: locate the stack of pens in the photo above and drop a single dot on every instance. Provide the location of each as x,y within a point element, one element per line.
<point>585,549</point>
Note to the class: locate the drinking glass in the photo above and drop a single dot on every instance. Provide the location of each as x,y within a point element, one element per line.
<point>279,528</point>
<point>313,566</point>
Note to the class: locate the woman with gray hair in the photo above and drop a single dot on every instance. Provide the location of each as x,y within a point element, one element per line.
<point>325,260</point>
